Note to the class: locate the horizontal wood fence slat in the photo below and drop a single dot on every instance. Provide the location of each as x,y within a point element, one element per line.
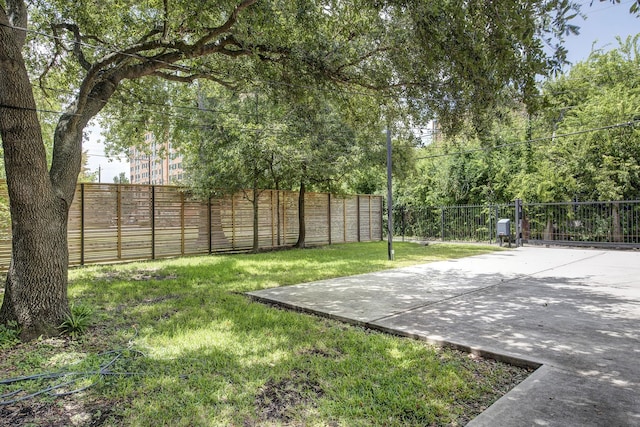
<point>123,222</point>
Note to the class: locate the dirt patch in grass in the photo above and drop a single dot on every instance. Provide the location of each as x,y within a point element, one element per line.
<point>149,301</point>
<point>138,275</point>
<point>68,411</point>
<point>319,352</point>
<point>53,355</point>
<point>279,401</point>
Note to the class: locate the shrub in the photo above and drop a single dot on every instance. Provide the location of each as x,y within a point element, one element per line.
<point>77,321</point>
<point>9,335</point>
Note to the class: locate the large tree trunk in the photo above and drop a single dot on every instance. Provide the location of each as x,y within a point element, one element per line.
<point>36,287</point>
<point>302,227</point>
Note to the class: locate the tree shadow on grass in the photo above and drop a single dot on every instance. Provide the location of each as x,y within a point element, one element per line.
<point>266,365</point>
<point>215,357</point>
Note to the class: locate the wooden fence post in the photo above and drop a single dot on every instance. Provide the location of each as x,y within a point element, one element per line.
<point>82,224</point>
<point>209,225</point>
<point>381,205</point>
<point>370,218</point>
<point>278,229</point>
<point>182,223</point>
<point>119,220</point>
<point>152,190</point>
<point>284,218</point>
<point>358,214</point>
<point>329,216</point>
<point>344,220</point>
<point>274,218</point>
<point>233,223</point>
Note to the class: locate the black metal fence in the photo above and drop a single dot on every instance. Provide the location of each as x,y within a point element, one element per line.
<point>615,223</point>
<point>476,223</point>
<point>611,223</point>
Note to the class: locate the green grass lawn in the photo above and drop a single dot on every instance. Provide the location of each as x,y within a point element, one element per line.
<point>181,346</point>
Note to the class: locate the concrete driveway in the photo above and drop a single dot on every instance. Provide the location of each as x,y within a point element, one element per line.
<point>574,313</point>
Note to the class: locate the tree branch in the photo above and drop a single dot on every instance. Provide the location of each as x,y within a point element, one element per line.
<point>49,66</point>
<point>179,51</point>
<point>77,43</point>
<point>233,18</point>
<point>362,58</point>
<point>165,24</point>
<point>168,60</point>
<point>103,76</point>
<point>193,77</point>
<point>150,34</point>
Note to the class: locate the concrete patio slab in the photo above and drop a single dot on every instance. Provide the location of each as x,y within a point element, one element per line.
<point>575,312</point>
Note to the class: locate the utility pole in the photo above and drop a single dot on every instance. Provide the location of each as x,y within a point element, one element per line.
<point>389,199</point>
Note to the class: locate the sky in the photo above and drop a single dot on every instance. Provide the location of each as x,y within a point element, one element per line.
<point>109,167</point>
<point>604,21</point>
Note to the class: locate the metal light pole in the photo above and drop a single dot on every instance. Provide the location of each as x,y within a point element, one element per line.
<point>389,199</point>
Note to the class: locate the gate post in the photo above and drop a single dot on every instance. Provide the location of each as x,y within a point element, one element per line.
<point>518,221</point>
<point>491,224</point>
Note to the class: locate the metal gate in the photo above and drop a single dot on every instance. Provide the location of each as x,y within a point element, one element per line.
<point>595,224</point>
<point>601,224</point>
<point>465,223</point>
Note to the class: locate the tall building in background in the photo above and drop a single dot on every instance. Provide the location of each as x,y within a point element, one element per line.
<point>156,164</point>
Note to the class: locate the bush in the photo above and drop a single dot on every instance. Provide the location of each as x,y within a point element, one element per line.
<point>77,321</point>
<point>9,335</point>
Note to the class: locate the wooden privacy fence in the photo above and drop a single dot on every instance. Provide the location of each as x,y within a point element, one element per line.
<point>121,222</point>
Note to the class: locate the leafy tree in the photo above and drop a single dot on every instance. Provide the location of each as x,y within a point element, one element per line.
<point>442,57</point>
<point>121,178</point>
<point>601,91</point>
<point>320,153</point>
<point>559,154</point>
<point>85,174</point>
<point>477,165</point>
<point>237,150</point>
<point>258,140</point>
<point>583,161</point>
